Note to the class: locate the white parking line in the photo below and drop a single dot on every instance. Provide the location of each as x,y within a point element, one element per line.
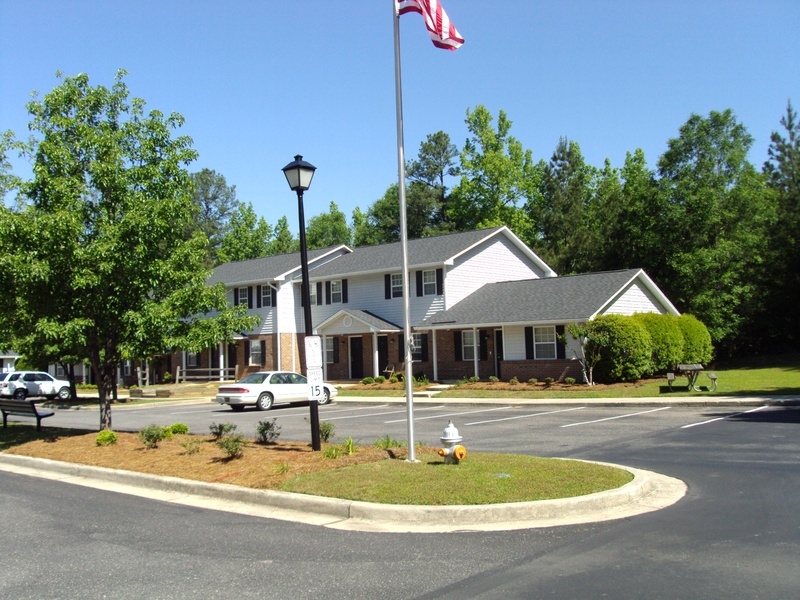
<point>725,417</point>
<point>644,412</point>
<point>381,413</point>
<point>549,412</point>
<point>469,412</point>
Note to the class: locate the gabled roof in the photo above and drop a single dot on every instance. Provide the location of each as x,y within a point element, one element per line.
<point>550,300</point>
<point>428,252</point>
<point>372,322</point>
<point>269,268</point>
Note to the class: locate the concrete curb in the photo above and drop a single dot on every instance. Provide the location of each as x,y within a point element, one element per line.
<point>647,492</point>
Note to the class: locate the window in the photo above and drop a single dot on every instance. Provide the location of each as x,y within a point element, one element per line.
<point>468,345</point>
<point>544,342</point>
<point>397,285</point>
<point>429,283</point>
<point>330,350</point>
<point>336,291</point>
<point>59,371</point>
<point>255,352</point>
<point>266,296</point>
<point>192,359</point>
<point>416,350</point>
<point>312,292</point>
<point>242,295</point>
<point>126,368</point>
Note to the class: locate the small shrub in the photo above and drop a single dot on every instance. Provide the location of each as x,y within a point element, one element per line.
<point>533,381</point>
<point>192,446</point>
<point>380,379</point>
<point>513,381</point>
<point>167,377</point>
<point>393,379</point>
<point>474,379</point>
<point>267,432</point>
<point>134,387</point>
<point>326,429</point>
<point>493,379</point>
<point>152,434</point>
<point>179,428</point>
<point>368,380</point>
<point>549,381</point>
<point>106,438</point>
<point>569,380</point>
<point>282,468</point>
<point>232,445</point>
<point>349,446</point>
<point>332,452</point>
<point>387,442</point>
<point>222,429</point>
<point>422,379</point>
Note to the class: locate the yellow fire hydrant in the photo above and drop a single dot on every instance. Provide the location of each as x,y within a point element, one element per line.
<point>453,451</point>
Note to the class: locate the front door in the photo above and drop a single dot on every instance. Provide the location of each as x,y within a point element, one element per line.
<point>383,351</point>
<point>498,351</point>
<point>231,364</point>
<point>356,358</point>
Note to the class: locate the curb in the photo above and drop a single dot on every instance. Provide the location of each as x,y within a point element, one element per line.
<point>647,492</point>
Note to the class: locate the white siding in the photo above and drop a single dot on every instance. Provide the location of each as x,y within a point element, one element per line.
<point>636,298</point>
<point>497,260</point>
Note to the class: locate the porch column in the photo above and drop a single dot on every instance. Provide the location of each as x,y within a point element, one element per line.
<point>476,351</point>
<point>221,361</point>
<point>375,366</point>
<point>435,357</point>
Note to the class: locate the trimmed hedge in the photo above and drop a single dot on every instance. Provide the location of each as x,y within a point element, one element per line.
<point>626,348</point>
<point>667,340</point>
<point>697,346</point>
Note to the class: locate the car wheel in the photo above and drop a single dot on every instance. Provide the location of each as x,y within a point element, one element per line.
<point>63,393</point>
<point>237,407</point>
<point>20,394</point>
<point>264,401</point>
<point>326,397</point>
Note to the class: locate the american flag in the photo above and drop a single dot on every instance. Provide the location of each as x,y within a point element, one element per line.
<point>443,32</point>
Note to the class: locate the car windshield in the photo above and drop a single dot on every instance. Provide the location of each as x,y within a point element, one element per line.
<point>254,378</point>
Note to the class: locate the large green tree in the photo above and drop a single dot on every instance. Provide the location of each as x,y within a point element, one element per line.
<point>328,229</point>
<point>283,242</point>
<point>215,204</point>
<point>247,236</point>
<point>498,177</point>
<point>98,258</point>
<point>717,231</point>
<point>436,160</point>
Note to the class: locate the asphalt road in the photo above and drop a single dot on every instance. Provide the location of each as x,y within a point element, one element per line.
<point>735,535</point>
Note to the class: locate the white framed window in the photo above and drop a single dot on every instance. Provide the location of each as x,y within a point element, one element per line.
<point>126,368</point>
<point>241,295</point>
<point>266,295</point>
<point>544,342</point>
<point>312,292</point>
<point>429,283</point>
<point>255,352</point>
<point>397,285</point>
<point>192,359</point>
<point>416,350</point>
<point>468,345</point>
<point>330,350</point>
<point>336,291</point>
<point>59,371</point>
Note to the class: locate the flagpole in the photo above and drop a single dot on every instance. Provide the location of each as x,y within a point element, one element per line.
<point>401,192</point>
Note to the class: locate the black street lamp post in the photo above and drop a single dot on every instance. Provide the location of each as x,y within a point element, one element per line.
<point>299,174</point>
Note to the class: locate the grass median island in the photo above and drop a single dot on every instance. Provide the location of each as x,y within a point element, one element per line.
<point>369,474</point>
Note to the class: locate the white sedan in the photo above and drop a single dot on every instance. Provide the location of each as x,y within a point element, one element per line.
<point>265,388</point>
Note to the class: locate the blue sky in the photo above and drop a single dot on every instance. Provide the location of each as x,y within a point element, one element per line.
<point>261,81</point>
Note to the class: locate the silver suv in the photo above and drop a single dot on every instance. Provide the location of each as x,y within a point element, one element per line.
<point>21,384</point>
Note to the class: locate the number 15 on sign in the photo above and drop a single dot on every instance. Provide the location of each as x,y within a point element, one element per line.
<point>316,391</point>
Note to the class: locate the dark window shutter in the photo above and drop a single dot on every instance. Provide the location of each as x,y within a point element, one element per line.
<point>273,297</point>
<point>529,343</point>
<point>258,296</point>
<point>236,296</point>
<point>561,350</point>
<point>424,357</point>
<point>483,345</point>
<point>249,296</point>
<point>344,291</point>
<point>336,350</point>
<point>401,348</point>
<point>439,282</point>
<point>387,287</point>
<point>247,352</point>
<point>319,293</point>
<point>419,283</point>
<point>263,352</point>
<point>327,292</point>
<point>458,355</point>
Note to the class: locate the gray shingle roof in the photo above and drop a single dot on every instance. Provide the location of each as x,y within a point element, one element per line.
<point>263,269</point>
<point>423,252</point>
<point>547,300</point>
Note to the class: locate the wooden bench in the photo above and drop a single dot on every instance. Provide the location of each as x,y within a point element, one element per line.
<point>23,408</point>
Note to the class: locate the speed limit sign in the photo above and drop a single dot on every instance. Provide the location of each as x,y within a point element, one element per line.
<point>315,389</point>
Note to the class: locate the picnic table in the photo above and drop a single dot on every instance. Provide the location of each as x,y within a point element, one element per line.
<point>692,373</point>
